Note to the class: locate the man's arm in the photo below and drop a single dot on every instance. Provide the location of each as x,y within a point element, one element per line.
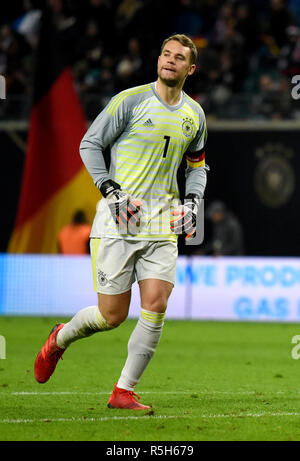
<point>186,216</point>
<point>195,173</point>
<point>107,127</point>
<point>103,131</point>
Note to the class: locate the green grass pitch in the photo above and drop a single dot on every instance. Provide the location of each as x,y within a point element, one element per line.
<point>207,381</point>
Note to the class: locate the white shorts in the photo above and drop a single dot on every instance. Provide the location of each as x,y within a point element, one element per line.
<point>117,263</point>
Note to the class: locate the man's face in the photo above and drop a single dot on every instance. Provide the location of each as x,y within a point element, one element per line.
<point>174,64</point>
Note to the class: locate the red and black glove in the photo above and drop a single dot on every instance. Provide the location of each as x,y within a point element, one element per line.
<point>124,209</point>
<point>186,217</point>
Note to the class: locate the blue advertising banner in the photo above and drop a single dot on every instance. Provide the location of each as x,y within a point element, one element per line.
<point>246,288</point>
<point>208,288</point>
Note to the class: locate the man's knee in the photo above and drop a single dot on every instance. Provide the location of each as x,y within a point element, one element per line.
<point>156,304</point>
<point>155,294</point>
<point>113,318</point>
<point>114,308</point>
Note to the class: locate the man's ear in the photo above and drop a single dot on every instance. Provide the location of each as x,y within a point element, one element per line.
<point>192,69</point>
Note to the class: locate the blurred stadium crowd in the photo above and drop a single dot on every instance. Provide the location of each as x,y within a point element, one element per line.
<point>248,51</point>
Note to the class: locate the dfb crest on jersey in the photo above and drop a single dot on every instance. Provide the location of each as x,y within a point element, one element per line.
<point>274,178</point>
<point>188,127</point>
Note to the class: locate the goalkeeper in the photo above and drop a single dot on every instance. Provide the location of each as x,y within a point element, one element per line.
<point>149,129</point>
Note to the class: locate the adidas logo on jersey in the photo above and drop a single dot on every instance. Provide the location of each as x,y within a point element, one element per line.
<point>148,123</point>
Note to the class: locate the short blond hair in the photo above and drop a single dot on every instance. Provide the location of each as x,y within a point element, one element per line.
<point>185,41</point>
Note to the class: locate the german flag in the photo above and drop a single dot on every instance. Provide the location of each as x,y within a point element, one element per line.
<point>195,159</point>
<point>55,182</point>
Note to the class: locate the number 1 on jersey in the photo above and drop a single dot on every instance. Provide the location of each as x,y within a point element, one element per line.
<point>167,138</point>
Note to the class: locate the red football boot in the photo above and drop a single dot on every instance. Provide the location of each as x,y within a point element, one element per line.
<point>121,398</point>
<point>48,356</point>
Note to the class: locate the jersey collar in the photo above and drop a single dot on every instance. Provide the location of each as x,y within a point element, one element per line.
<point>171,108</point>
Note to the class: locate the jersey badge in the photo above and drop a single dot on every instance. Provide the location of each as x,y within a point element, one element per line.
<point>188,127</point>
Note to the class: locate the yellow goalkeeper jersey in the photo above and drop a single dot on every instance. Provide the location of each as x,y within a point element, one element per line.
<point>147,139</point>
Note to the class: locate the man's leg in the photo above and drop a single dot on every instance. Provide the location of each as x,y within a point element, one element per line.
<point>113,274</point>
<point>111,311</point>
<point>155,271</point>
<point>146,335</point>
<point>109,259</point>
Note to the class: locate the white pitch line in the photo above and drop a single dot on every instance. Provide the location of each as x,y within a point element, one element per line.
<point>82,393</point>
<point>250,415</point>
<point>146,417</point>
<point>59,393</point>
<point>83,419</point>
<point>258,393</point>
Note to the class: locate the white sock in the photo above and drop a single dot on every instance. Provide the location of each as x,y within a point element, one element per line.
<point>141,347</point>
<point>85,323</point>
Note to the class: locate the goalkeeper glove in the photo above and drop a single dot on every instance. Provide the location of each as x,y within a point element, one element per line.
<point>124,210</point>
<point>186,217</point>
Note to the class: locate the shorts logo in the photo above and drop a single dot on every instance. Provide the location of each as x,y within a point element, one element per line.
<point>188,127</point>
<point>102,278</point>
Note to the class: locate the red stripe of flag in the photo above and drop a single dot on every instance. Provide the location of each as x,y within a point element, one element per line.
<point>57,125</point>
<point>196,159</point>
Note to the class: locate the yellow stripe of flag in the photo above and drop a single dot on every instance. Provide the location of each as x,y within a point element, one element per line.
<point>195,164</point>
